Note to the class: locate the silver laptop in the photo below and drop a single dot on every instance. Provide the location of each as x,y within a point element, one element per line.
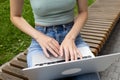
<point>59,69</point>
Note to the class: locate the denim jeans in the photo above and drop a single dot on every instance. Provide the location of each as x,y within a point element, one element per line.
<point>58,32</point>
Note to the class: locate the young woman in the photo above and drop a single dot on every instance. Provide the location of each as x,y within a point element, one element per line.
<point>56,33</point>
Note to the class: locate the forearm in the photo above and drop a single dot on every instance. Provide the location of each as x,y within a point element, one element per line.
<point>78,24</point>
<point>21,23</point>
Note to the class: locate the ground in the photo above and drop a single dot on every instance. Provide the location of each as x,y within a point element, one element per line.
<point>111,47</point>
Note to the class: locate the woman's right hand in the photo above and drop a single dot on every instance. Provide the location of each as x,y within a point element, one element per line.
<point>49,44</point>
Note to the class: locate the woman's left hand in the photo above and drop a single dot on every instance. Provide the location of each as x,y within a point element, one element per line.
<point>69,50</point>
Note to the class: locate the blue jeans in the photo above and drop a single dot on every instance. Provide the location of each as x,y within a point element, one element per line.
<point>59,32</point>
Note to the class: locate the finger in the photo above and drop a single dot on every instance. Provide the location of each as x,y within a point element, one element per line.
<point>61,51</point>
<point>72,54</point>
<point>75,53</point>
<point>45,52</point>
<point>80,55</point>
<point>56,43</point>
<point>54,48</point>
<point>51,51</point>
<point>66,54</point>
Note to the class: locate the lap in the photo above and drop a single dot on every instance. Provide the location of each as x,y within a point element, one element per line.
<point>35,49</point>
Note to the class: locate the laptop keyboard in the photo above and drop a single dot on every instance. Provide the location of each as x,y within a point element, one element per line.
<point>47,63</point>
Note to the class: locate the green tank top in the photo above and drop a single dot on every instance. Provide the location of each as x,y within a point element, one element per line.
<point>55,12</point>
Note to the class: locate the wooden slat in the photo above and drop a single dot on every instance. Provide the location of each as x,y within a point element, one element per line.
<point>22,58</point>
<point>99,22</point>
<point>92,10</point>
<point>18,64</point>
<point>98,29</point>
<point>25,52</point>
<point>92,45</point>
<point>95,28</point>
<point>99,19</point>
<point>93,37</point>
<point>99,25</point>
<point>94,50</point>
<point>107,17</point>
<point>1,77</point>
<point>14,71</point>
<point>94,31</point>
<point>98,7</point>
<point>5,76</point>
<point>102,22</point>
<point>93,34</point>
<point>93,41</point>
<point>109,26</point>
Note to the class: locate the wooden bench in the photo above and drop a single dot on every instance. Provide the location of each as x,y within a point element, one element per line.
<point>103,15</point>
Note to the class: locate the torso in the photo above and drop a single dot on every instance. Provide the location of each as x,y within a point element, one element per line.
<point>48,12</point>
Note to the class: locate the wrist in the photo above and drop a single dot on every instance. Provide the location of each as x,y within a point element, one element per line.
<point>38,36</point>
<point>70,37</point>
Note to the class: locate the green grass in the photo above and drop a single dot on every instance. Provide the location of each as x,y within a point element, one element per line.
<point>12,40</point>
<point>91,1</point>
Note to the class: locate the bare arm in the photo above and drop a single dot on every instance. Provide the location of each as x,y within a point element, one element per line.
<point>19,21</point>
<point>80,20</point>
<point>47,43</point>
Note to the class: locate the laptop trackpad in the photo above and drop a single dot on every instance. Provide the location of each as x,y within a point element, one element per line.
<point>71,71</point>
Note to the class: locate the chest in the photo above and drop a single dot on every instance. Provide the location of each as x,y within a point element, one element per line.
<point>43,6</point>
